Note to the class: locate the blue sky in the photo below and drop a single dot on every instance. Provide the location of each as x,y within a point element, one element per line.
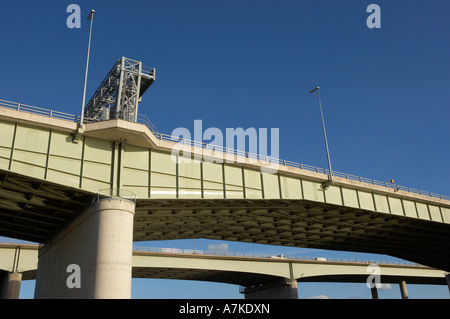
<point>385,92</point>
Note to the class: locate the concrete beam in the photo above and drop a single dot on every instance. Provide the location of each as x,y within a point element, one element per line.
<point>447,278</point>
<point>374,292</point>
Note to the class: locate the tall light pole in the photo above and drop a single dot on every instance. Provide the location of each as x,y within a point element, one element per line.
<point>326,184</point>
<point>91,18</point>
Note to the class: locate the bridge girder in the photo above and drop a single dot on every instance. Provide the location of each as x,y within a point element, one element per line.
<point>296,223</point>
<point>34,210</point>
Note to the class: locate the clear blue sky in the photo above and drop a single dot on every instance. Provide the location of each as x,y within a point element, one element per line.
<point>385,92</point>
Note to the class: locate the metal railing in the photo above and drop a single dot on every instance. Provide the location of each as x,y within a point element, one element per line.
<point>209,147</point>
<point>269,159</point>
<point>226,253</point>
<point>147,70</point>
<point>7,240</point>
<point>141,118</point>
<point>38,110</point>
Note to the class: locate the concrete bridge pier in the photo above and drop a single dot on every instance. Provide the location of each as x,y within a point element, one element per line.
<point>403,290</point>
<point>10,285</point>
<point>92,257</point>
<point>374,292</point>
<point>284,289</point>
<point>447,279</point>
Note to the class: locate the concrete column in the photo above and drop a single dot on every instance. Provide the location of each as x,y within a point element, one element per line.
<point>10,285</point>
<point>285,289</point>
<point>403,290</point>
<point>374,292</point>
<point>92,257</point>
<point>447,278</point>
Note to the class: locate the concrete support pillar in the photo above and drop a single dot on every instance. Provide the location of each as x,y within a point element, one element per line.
<point>374,292</point>
<point>447,278</point>
<point>285,289</point>
<point>403,290</point>
<point>10,285</point>
<point>92,257</point>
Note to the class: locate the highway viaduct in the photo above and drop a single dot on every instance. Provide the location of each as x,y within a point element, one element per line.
<point>259,277</point>
<point>114,182</point>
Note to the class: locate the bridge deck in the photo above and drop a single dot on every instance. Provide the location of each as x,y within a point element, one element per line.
<point>48,172</point>
<point>244,271</point>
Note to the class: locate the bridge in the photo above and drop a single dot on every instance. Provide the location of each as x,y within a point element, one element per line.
<point>114,180</point>
<point>258,275</point>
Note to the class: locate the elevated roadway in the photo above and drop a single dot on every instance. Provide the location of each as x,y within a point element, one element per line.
<point>110,183</point>
<point>249,272</point>
<point>50,171</point>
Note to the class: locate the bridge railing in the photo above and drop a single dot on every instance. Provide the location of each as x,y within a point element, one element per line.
<point>227,253</point>
<point>7,240</point>
<point>268,159</point>
<point>38,110</point>
<point>141,118</point>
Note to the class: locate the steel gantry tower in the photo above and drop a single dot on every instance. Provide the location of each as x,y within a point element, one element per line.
<point>119,94</point>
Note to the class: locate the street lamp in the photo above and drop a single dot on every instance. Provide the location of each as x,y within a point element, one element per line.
<point>91,18</point>
<point>326,184</point>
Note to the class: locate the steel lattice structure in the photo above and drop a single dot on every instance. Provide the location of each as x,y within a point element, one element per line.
<point>119,94</point>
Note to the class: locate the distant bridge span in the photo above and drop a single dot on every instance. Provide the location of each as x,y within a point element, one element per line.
<point>249,272</point>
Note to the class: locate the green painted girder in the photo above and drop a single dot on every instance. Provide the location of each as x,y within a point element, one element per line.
<point>95,163</point>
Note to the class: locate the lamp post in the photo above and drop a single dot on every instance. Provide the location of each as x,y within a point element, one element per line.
<point>326,184</point>
<point>91,18</point>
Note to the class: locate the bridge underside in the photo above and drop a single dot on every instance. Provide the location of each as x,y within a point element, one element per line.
<point>383,279</point>
<point>34,210</point>
<point>251,279</point>
<point>248,279</point>
<point>227,277</point>
<point>296,223</point>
